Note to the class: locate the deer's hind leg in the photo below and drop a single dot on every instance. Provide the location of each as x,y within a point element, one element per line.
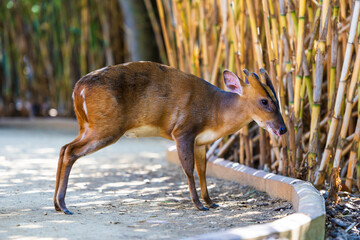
<point>60,161</point>
<point>88,143</point>
<point>83,130</point>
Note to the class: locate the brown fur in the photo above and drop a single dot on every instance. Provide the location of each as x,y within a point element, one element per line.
<point>119,99</point>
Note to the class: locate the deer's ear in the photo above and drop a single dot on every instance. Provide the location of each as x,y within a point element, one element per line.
<point>233,83</point>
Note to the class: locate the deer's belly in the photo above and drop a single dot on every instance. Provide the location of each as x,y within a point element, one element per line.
<point>143,131</point>
<point>206,137</point>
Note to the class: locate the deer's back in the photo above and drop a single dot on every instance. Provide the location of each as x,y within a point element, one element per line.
<point>145,94</point>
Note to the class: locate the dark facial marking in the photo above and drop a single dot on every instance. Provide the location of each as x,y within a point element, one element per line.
<point>271,86</point>
<point>256,76</point>
<point>272,96</point>
<point>268,83</point>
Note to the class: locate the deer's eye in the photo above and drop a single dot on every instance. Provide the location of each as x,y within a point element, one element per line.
<point>264,102</point>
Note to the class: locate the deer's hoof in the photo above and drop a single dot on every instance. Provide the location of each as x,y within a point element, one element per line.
<point>67,212</point>
<point>203,208</point>
<point>214,205</point>
<point>57,208</point>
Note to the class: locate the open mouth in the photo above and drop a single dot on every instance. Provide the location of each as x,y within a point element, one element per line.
<point>277,133</point>
<point>272,130</point>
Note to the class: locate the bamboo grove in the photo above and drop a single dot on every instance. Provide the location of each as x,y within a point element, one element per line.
<point>311,50</point>
<point>46,46</point>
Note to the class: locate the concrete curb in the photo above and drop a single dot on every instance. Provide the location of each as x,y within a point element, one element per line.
<point>67,124</point>
<point>307,223</point>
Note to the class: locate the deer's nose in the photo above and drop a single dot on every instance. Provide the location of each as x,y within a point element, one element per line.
<point>283,130</point>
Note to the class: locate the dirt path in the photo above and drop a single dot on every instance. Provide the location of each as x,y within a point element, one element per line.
<point>125,191</point>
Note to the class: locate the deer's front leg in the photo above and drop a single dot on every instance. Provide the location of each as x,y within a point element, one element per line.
<point>200,163</point>
<point>185,147</point>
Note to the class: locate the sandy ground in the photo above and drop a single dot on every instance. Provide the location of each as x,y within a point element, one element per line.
<point>125,191</point>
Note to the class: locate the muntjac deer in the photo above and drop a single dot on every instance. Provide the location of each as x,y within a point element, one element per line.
<point>146,99</point>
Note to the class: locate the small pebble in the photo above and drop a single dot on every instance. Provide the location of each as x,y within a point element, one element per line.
<point>346,211</point>
<point>324,194</point>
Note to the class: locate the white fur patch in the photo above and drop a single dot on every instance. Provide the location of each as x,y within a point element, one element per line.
<point>84,106</point>
<point>207,136</point>
<point>101,69</point>
<point>82,93</point>
<point>83,136</point>
<point>86,126</point>
<point>128,63</point>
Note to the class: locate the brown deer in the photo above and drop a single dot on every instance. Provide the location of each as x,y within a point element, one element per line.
<point>146,99</point>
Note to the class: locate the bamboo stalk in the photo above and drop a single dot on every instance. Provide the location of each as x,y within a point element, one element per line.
<point>221,45</point>
<point>227,145</point>
<point>179,37</point>
<point>352,159</point>
<point>213,147</point>
<point>275,38</point>
<point>84,36</point>
<point>343,9</point>
<point>334,48</point>
<point>105,27</point>
<point>255,38</point>
<point>291,9</point>
<point>315,117</point>
<point>204,45</point>
<point>169,49</point>
<point>235,39</point>
<point>306,83</point>
<point>299,55</point>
